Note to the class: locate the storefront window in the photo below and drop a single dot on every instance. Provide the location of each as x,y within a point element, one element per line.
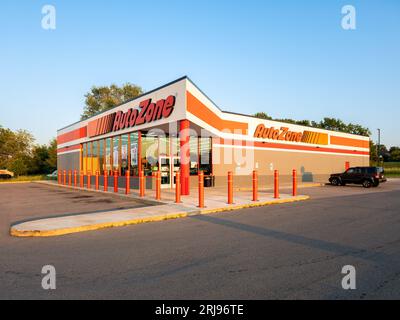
<point>101,156</point>
<point>84,158</point>
<point>89,157</point>
<point>194,155</point>
<point>164,146</point>
<point>205,155</point>
<point>134,154</point>
<point>108,155</point>
<point>124,154</point>
<point>149,154</point>
<point>175,146</point>
<point>115,153</point>
<point>95,157</point>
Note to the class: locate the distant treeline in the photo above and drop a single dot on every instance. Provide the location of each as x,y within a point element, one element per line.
<point>20,154</point>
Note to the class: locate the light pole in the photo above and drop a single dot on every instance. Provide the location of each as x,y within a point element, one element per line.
<point>379,146</point>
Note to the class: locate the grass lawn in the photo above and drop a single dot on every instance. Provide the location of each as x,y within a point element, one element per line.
<point>25,178</point>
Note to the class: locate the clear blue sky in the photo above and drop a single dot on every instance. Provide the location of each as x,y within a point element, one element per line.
<point>286,58</point>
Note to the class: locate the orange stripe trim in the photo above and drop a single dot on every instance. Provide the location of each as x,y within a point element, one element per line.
<point>198,109</point>
<point>71,148</point>
<point>284,146</point>
<point>72,135</point>
<point>340,141</point>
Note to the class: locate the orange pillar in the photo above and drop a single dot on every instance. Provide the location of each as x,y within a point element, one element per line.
<point>158,185</point>
<point>184,138</point>
<point>105,180</point>
<point>69,177</point>
<point>178,187</point>
<point>81,176</point>
<point>230,187</point>
<point>201,189</point>
<point>88,179</point>
<point>65,177</point>
<point>75,178</point>
<point>127,182</point>
<point>141,184</point>
<point>97,180</point>
<point>116,181</point>
<point>276,184</point>
<point>294,191</point>
<point>255,186</point>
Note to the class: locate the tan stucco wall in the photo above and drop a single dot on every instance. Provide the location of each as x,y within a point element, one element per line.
<point>311,167</point>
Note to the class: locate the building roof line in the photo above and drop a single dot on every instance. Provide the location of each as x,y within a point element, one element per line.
<point>129,100</point>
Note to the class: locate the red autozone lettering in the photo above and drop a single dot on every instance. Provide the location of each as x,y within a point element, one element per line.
<point>147,113</point>
<point>282,134</point>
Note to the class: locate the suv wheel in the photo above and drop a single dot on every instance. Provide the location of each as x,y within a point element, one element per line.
<point>367,184</point>
<point>335,182</point>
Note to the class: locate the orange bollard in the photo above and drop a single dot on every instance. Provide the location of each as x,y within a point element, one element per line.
<point>97,180</point>
<point>105,180</point>
<point>88,179</point>
<point>178,187</point>
<point>255,186</point>
<point>75,178</point>
<point>276,184</point>
<point>141,184</point>
<point>116,181</point>
<point>294,190</point>
<point>81,176</point>
<point>201,189</point>
<point>69,177</point>
<point>127,182</point>
<point>158,185</point>
<point>65,177</point>
<point>230,187</point>
<point>59,177</point>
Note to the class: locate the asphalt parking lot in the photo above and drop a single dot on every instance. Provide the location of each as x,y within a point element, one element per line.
<point>28,201</point>
<point>288,251</point>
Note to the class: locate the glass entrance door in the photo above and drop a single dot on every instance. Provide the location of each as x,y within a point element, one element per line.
<point>168,167</point>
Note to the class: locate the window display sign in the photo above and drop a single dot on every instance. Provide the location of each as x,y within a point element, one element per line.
<point>134,157</point>
<point>124,156</point>
<point>115,157</point>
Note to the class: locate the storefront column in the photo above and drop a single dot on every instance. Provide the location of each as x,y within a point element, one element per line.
<point>139,152</point>
<point>184,155</point>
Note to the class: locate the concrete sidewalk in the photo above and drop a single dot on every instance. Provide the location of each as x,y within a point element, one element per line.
<point>215,201</point>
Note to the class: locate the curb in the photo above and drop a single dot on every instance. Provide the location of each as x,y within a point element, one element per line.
<point>256,204</point>
<point>17,182</point>
<point>64,231</point>
<point>311,185</point>
<point>59,232</point>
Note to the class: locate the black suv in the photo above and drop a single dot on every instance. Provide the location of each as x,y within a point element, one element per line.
<point>367,176</point>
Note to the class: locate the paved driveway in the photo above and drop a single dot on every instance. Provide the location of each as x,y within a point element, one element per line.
<point>282,251</point>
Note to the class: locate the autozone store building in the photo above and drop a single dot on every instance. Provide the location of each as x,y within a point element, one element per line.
<point>178,128</point>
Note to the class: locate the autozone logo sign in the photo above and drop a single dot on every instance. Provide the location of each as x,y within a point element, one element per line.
<point>148,112</point>
<point>277,134</point>
<point>284,134</point>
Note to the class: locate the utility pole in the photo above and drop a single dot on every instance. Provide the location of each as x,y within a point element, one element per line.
<point>379,145</point>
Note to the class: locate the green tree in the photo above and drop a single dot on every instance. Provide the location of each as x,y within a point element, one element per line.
<point>52,159</point>
<point>394,154</point>
<point>104,98</point>
<point>262,115</point>
<point>15,147</point>
<point>43,159</point>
